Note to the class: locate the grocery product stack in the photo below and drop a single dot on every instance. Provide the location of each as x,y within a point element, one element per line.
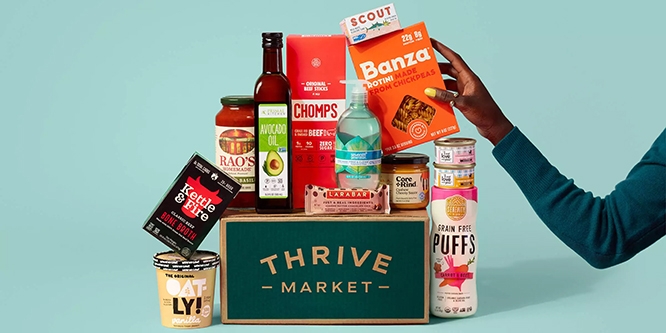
<point>453,234</point>
<point>300,149</point>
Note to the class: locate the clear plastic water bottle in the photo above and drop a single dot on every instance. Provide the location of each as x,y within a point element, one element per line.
<point>358,143</point>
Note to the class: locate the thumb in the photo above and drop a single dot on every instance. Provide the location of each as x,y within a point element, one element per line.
<point>442,95</point>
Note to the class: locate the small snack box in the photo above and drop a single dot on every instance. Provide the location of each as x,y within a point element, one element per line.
<point>371,24</point>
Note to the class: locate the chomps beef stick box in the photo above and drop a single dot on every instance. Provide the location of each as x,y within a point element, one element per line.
<point>315,66</point>
<point>399,66</point>
<point>191,206</point>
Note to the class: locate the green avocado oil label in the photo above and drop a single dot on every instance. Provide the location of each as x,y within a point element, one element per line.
<point>273,151</point>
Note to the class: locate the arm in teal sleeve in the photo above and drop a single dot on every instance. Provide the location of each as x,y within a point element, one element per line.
<point>603,231</point>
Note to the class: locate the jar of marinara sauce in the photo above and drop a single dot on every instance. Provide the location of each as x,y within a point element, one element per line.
<point>234,136</point>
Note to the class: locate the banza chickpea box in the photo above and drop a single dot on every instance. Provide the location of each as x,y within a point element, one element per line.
<point>315,66</point>
<point>352,269</point>
<point>399,66</point>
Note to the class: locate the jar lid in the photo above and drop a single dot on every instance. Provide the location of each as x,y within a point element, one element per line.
<point>454,166</point>
<point>406,158</point>
<point>455,142</point>
<point>237,100</point>
<point>200,260</point>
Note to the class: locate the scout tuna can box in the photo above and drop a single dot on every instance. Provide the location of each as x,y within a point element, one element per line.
<point>191,206</point>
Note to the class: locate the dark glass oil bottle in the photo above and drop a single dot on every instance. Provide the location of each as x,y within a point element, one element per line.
<point>272,120</point>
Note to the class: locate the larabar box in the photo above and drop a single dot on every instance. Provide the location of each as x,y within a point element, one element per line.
<point>315,66</point>
<point>371,24</point>
<point>399,66</point>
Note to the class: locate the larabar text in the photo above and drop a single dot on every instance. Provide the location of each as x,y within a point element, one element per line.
<point>321,200</point>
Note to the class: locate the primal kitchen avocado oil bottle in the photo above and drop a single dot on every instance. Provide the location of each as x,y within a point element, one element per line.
<point>272,121</point>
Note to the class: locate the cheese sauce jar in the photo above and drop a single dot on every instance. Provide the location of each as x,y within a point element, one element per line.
<point>456,176</point>
<point>408,177</point>
<point>455,151</point>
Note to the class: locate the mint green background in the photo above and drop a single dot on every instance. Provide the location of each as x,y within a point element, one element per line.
<point>403,241</point>
<point>102,103</point>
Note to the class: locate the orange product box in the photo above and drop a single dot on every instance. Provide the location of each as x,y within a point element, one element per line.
<point>398,67</point>
<point>315,66</point>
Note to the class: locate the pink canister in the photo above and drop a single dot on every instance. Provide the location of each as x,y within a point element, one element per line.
<point>453,252</point>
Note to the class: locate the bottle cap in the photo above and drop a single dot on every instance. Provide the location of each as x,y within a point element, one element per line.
<point>271,40</point>
<point>359,93</point>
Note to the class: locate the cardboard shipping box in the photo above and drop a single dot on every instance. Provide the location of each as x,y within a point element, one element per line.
<point>300,269</point>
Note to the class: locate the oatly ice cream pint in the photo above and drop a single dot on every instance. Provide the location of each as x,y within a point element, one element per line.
<point>186,288</point>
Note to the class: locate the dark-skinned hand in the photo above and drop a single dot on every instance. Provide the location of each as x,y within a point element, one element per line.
<point>468,94</point>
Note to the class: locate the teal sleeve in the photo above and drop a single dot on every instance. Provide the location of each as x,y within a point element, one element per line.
<point>604,231</point>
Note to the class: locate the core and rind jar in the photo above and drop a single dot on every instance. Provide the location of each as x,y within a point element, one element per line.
<point>455,151</point>
<point>234,136</point>
<point>408,177</point>
<point>458,176</point>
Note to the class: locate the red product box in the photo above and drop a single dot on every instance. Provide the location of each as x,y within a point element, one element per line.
<point>315,66</point>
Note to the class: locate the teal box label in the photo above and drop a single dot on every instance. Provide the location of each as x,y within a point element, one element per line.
<point>316,270</point>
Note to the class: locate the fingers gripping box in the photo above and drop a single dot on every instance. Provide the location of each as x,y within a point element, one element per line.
<point>315,66</point>
<point>399,66</point>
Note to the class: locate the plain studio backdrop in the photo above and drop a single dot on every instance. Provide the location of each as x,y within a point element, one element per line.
<point>102,103</point>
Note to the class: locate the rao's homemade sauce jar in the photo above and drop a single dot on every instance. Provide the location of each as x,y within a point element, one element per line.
<point>234,146</point>
<point>408,176</point>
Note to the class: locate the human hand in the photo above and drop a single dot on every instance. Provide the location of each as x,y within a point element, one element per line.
<point>468,94</point>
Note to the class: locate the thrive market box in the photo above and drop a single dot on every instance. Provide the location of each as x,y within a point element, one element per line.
<point>315,66</point>
<point>399,66</point>
<point>356,269</point>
